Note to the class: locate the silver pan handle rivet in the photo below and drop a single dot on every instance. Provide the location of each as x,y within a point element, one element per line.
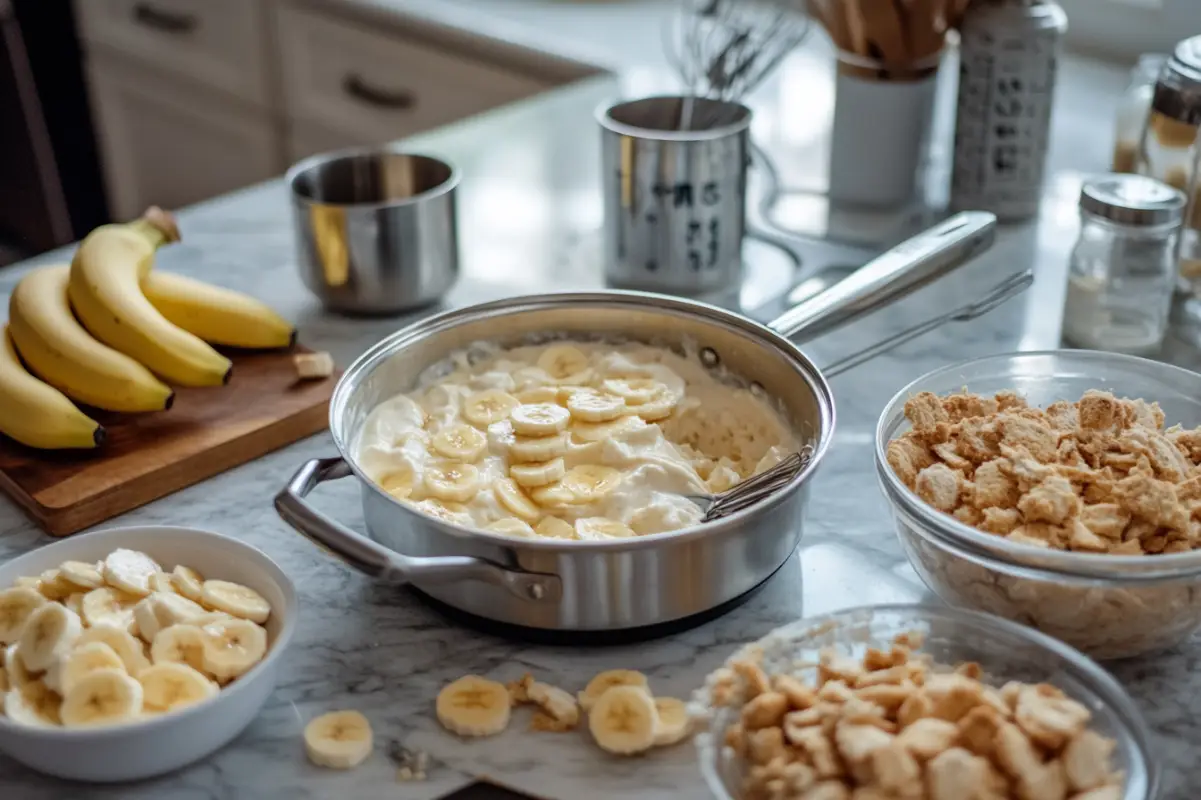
<point>536,591</point>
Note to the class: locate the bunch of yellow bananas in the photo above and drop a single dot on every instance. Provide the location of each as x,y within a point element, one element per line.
<point>107,332</point>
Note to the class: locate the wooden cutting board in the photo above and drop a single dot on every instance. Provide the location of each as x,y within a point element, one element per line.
<point>147,456</point>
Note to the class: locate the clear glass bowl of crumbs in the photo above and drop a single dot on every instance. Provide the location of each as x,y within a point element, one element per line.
<point>1109,606</point>
<point>947,636</point>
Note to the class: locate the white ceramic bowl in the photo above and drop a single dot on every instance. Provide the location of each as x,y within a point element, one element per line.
<point>143,749</point>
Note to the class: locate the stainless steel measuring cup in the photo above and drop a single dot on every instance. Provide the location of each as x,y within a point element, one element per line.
<point>675,200</point>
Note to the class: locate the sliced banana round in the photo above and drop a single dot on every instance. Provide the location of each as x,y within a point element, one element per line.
<point>524,449</point>
<point>109,606</point>
<point>164,609</point>
<point>539,419</point>
<point>659,406</point>
<point>510,495</point>
<point>600,431</point>
<point>532,475</point>
<point>84,659</point>
<point>539,394</point>
<point>592,406</point>
<point>586,483</point>
<point>179,644</point>
<point>102,697</point>
<point>54,586</point>
<point>188,582</point>
<point>457,483</point>
<point>15,670</point>
<point>232,598</point>
<point>634,391</point>
<point>338,740</point>
<point>556,702</point>
<point>232,647</point>
<point>399,482</point>
<point>74,602</point>
<point>170,686</point>
<point>623,720</point>
<point>511,526</point>
<point>565,364</point>
<point>602,528</point>
<point>460,442</point>
<point>444,510</point>
<point>555,528</point>
<point>33,704</point>
<point>607,680</point>
<point>82,574</point>
<point>16,606</point>
<point>674,723</point>
<point>162,582</point>
<point>129,571</point>
<point>473,706</point>
<point>123,643</point>
<point>491,405</point>
<point>48,635</point>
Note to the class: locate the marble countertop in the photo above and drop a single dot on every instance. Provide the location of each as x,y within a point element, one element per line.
<point>530,217</point>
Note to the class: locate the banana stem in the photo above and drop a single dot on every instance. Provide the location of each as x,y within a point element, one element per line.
<point>157,225</point>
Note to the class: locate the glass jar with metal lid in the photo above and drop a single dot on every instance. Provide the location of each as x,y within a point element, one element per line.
<point>1123,267</point>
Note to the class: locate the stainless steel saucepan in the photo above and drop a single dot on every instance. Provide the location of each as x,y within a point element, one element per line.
<point>557,584</point>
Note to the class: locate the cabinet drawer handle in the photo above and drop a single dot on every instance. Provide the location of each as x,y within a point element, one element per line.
<point>360,90</point>
<point>165,21</point>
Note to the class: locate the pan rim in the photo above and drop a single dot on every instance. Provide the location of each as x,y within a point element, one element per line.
<point>674,306</point>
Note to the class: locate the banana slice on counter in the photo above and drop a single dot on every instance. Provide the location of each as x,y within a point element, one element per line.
<point>457,483</point>
<point>102,697</point>
<point>232,647</point>
<point>533,475</point>
<point>473,706</point>
<point>674,723</point>
<point>188,582</point>
<point>525,450</point>
<point>565,364</point>
<point>634,391</point>
<point>179,644</point>
<point>169,686</point>
<point>129,571</point>
<point>445,510</point>
<point>555,528</point>
<point>338,740</point>
<point>460,442</point>
<point>623,720</point>
<point>54,586</point>
<point>510,495</point>
<point>539,419</point>
<point>232,598</point>
<point>580,485</point>
<point>15,670</point>
<point>82,574</point>
<point>539,394</point>
<point>556,702</point>
<point>606,680</point>
<point>33,704</point>
<point>511,526</point>
<point>492,405</point>
<point>49,634</point>
<point>600,431</point>
<point>602,528</point>
<point>109,606</point>
<point>82,660</point>
<point>16,606</point>
<point>593,406</point>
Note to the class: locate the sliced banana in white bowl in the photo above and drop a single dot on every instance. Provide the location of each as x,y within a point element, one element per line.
<point>140,663</point>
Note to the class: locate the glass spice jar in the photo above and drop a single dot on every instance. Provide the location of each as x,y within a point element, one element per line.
<point>1132,111</point>
<point>1123,268</point>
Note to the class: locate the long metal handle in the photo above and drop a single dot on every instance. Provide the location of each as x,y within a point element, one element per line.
<point>1012,286</point>
<point>384,564</point>
<point>396,100</point>
<point>905,268</point>
<point>164,21</point>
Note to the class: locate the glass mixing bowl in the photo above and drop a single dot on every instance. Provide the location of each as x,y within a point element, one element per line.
<point>1004,650</point>
<point>1107,606</point>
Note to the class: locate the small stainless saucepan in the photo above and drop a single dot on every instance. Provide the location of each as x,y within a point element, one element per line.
<point>555,584</point>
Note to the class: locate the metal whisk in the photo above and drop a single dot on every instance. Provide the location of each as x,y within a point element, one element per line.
<point>724,49</point>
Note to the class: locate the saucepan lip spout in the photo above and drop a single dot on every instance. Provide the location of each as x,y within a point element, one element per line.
<point>358,372</point>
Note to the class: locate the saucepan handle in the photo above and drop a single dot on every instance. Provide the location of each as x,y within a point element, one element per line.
<point>383,564</point>
<point>900,271</point>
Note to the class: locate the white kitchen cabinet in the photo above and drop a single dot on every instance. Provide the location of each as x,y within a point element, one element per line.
<point>169,144</point>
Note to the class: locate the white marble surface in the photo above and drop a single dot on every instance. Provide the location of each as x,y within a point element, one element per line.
<point>530,214</point>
